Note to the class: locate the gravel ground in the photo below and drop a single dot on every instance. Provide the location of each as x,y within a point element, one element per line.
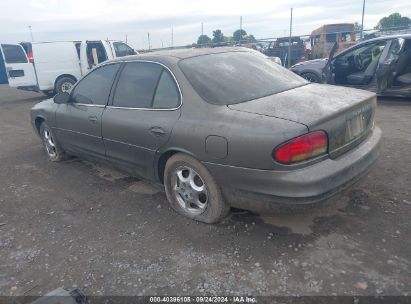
<point>80,224</point>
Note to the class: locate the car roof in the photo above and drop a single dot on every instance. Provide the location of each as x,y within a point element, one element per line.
<point>405,36</point>
<point>180,54</point>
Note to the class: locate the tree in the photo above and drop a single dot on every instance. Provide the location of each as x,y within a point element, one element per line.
<point>203,39</point>
<point>251,39</point>
<point>239,34</point>
<point>392,21</point>
<point>357,27</point>
<point>218,36</point>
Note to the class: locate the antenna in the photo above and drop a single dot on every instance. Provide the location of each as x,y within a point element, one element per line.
<point>202,34</point>
<point>289,40</point>
<point>241,28</point>
<point>172,36</point>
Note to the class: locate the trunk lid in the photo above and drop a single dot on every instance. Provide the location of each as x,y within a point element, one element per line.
<point>347,115</point>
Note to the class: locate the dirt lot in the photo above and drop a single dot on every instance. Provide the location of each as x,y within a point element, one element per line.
<point>79,224</point>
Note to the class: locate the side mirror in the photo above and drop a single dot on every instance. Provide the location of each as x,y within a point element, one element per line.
<point>62,98</point>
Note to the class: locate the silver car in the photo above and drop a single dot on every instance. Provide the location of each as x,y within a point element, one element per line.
<point>217,127</point>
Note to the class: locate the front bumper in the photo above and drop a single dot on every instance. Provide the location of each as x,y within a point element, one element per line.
<point>256,189</point>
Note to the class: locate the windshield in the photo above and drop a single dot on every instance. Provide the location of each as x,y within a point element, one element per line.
<point>235,77</point>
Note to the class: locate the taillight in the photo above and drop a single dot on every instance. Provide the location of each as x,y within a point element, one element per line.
<point>302,148</point>
<point>30,57</point>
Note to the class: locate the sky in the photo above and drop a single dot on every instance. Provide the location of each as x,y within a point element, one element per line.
<point>58,20</point>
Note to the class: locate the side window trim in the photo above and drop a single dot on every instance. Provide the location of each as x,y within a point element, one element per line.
<point>114,88</point>
<point>155,90</point>
<point>111,88</point>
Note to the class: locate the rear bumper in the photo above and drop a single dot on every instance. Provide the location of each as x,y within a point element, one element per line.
<point>255,189</point>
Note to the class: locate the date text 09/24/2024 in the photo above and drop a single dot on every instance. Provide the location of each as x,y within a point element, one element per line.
<point>203,299</point>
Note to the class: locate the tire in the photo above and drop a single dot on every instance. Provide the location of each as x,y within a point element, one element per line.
<point>48,93</point>
<point>53,150</point>
<point>189,176</point>
<point>312,77</point>
<point>64,84</point>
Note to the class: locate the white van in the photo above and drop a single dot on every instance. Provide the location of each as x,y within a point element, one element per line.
<point>53,67</point>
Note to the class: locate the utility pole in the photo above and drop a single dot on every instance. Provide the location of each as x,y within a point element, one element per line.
<point>362,20</point>
<point>126,38</point>
<point>172,37</point>
<point>162,44</point>
<point>241,28</point>
<point>148,38</point>
<point>202,35</point>
<point>31,34</point>
<point>289,39</point>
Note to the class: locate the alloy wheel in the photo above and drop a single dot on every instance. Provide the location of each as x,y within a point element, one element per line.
<point>190,190</point>
<point>66,86</point>
<point>49,143</point>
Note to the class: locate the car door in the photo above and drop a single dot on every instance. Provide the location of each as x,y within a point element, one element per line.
<point>78,122</point>
<point>346,64</point>
<point>144,108</point>
<point>20,72</point>
<point>388,63</point>
<point>92,53</point>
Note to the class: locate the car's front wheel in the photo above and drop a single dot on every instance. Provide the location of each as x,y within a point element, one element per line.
<point>192,191</point>
<point>53,150</point>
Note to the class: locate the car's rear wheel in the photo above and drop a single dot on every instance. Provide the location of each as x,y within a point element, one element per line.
<point>311,77</point>
<point>53,150</point>
<point>64,84</point>
<point>192,191</point>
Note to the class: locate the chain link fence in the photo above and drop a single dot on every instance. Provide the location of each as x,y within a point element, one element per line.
<point>302,44</point>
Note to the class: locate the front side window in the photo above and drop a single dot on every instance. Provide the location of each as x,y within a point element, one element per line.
<point>95,88</point>
<point>396,46</point>
<point>137,84</point>
<point>123,49</point>
<point>14,53</point>
<point>331,37</point>
<point>346,37</point>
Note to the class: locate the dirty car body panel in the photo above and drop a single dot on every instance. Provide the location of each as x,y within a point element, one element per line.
<point>235,131</point>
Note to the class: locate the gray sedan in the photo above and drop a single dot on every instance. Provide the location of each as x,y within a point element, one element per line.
<point>217,127</point>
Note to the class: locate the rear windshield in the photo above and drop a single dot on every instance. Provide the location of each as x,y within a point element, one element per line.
<point>13,53</point>
<point>235,77</point>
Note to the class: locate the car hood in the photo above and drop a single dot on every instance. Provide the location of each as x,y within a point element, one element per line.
<point>43,104</point>
<point>320,107</point>
<point>318,63</point>
<point>44,109</point>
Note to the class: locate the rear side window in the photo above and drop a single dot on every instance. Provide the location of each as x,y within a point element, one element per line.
<point>167,94</point>
<point>14,53</point>
<point>137,84</point>
<point>123,49</point>
<point>95,87</point>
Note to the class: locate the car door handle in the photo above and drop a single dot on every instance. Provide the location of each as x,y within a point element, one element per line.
<point>92,118</point>
<point>157,131</point>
